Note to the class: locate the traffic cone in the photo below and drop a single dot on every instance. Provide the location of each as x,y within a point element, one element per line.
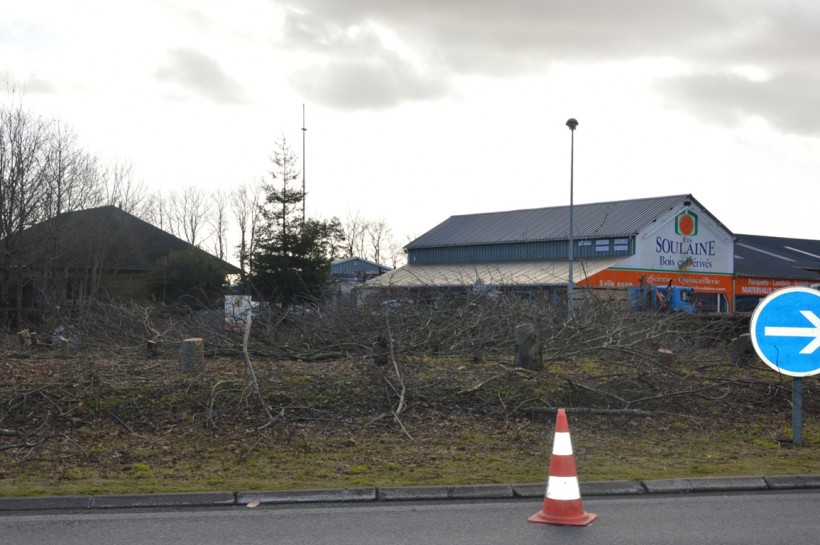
<point>562,502</point>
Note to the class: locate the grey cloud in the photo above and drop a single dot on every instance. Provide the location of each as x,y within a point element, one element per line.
<point>471,37</point>
<point>305,31</point>
<point>484,36</point>
<point>787,102</point>
<point>499,39</point>
<point>193,73</point>
<point>357,71</point>
<point>785,37</point>
<point>354,85</point>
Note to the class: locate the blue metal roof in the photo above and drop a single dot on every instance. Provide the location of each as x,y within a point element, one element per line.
<point>355,264</point>
<point>597,220</point>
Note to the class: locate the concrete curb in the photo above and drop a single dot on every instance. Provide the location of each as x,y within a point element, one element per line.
<point>308,496</point>
<point>44,503</point>
<point>409,493</point>
<point>793,482</point>
<point>719,484</point>
<point>197,499</point>
<point>707,484</point>
<point>414,493</point>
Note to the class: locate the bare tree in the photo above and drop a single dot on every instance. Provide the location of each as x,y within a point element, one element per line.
<point>155,211</point>
<point>121,188</point>
<point>24,140</point>
<point>72,178</point>
<point>24,153</point>
<point>219,223</point>
<point>355,229</point>
<point>246,202</point>
<point>187,214</point>
<point>373,240</point>
<point>379,234</point>
<point>396,253</point>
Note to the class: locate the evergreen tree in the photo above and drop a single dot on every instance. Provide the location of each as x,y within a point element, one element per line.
<point>291,263</point>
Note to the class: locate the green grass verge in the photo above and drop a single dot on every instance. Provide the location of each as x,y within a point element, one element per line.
<point>463,451</point>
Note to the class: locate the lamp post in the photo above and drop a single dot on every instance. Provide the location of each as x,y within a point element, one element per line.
<point>571,123</point>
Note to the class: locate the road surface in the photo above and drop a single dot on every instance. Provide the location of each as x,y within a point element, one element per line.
<point>759,518</point>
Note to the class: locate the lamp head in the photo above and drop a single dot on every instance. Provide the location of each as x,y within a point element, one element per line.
<point>572,123</point>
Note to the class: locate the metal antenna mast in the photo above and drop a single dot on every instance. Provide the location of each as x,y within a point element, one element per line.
<point>304,194</point>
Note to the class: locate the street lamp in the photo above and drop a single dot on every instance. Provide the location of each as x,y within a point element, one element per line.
<point>571,123</point>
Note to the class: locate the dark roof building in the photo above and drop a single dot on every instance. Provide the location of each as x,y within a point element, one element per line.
<point>765,264</point>
<point>105,236</point>
<point>87,252</point>
<point>540,225</point>
<point>777,257</point>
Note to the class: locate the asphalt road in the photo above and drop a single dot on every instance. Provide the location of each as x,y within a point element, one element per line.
<point>747,518</point>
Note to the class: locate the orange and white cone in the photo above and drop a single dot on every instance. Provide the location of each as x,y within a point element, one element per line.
<point>562,502</point>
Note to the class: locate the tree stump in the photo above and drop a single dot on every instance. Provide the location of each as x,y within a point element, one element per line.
<point>607,353</point>
<point>25,337</point>
<point>527,348</point>
<point>192,355</point>
<point>151,349</point>
<point>665,355</point>
<point>478,352</point>
<point>380,350</point>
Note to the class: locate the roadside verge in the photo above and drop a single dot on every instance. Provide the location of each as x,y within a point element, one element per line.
<point>411,493</point>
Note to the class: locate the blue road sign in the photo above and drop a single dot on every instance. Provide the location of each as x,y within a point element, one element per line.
<point>785,331</point>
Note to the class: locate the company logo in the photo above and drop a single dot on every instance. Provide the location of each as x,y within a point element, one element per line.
<point>686,263</point>
<point>686,224</point>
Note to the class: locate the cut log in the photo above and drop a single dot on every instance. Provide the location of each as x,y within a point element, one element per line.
<point>380,350</point>
<point>192,355</point>
<point>665,355</point>
<point>25,337</point>
<point>151,349</point>
<point>528,348</point>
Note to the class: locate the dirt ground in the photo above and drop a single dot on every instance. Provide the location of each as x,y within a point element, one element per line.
<point>117,424</point>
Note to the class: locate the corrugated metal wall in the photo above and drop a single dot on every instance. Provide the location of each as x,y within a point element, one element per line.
<point>524,251</point>
<point>352,267</point>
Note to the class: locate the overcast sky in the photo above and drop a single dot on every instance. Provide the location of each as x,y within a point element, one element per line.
<point>419,110</point>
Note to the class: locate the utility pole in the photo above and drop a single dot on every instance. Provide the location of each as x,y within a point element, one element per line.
<point>304,194</point>
<point>571,123</point>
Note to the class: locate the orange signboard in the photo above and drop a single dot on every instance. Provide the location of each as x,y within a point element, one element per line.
<point>761,287</point>
<point>620,278</point>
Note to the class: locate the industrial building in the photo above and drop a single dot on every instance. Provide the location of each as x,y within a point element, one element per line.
<point>615,245</point>
<point>350,272</point>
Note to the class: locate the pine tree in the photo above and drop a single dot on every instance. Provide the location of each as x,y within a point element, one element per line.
<point>291,264</point>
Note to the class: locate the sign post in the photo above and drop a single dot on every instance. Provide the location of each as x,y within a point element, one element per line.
<point>797,411</point>
<point>785,332</point>
<point>238,309</point>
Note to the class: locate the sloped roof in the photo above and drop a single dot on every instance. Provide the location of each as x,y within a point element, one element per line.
<point>80,239</point>
<point>604,219</point>
<point>357,259</point>
<point>503,273</point>
<point>777,257</point>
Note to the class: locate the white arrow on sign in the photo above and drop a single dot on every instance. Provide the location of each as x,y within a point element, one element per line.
<point>800,332</point>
